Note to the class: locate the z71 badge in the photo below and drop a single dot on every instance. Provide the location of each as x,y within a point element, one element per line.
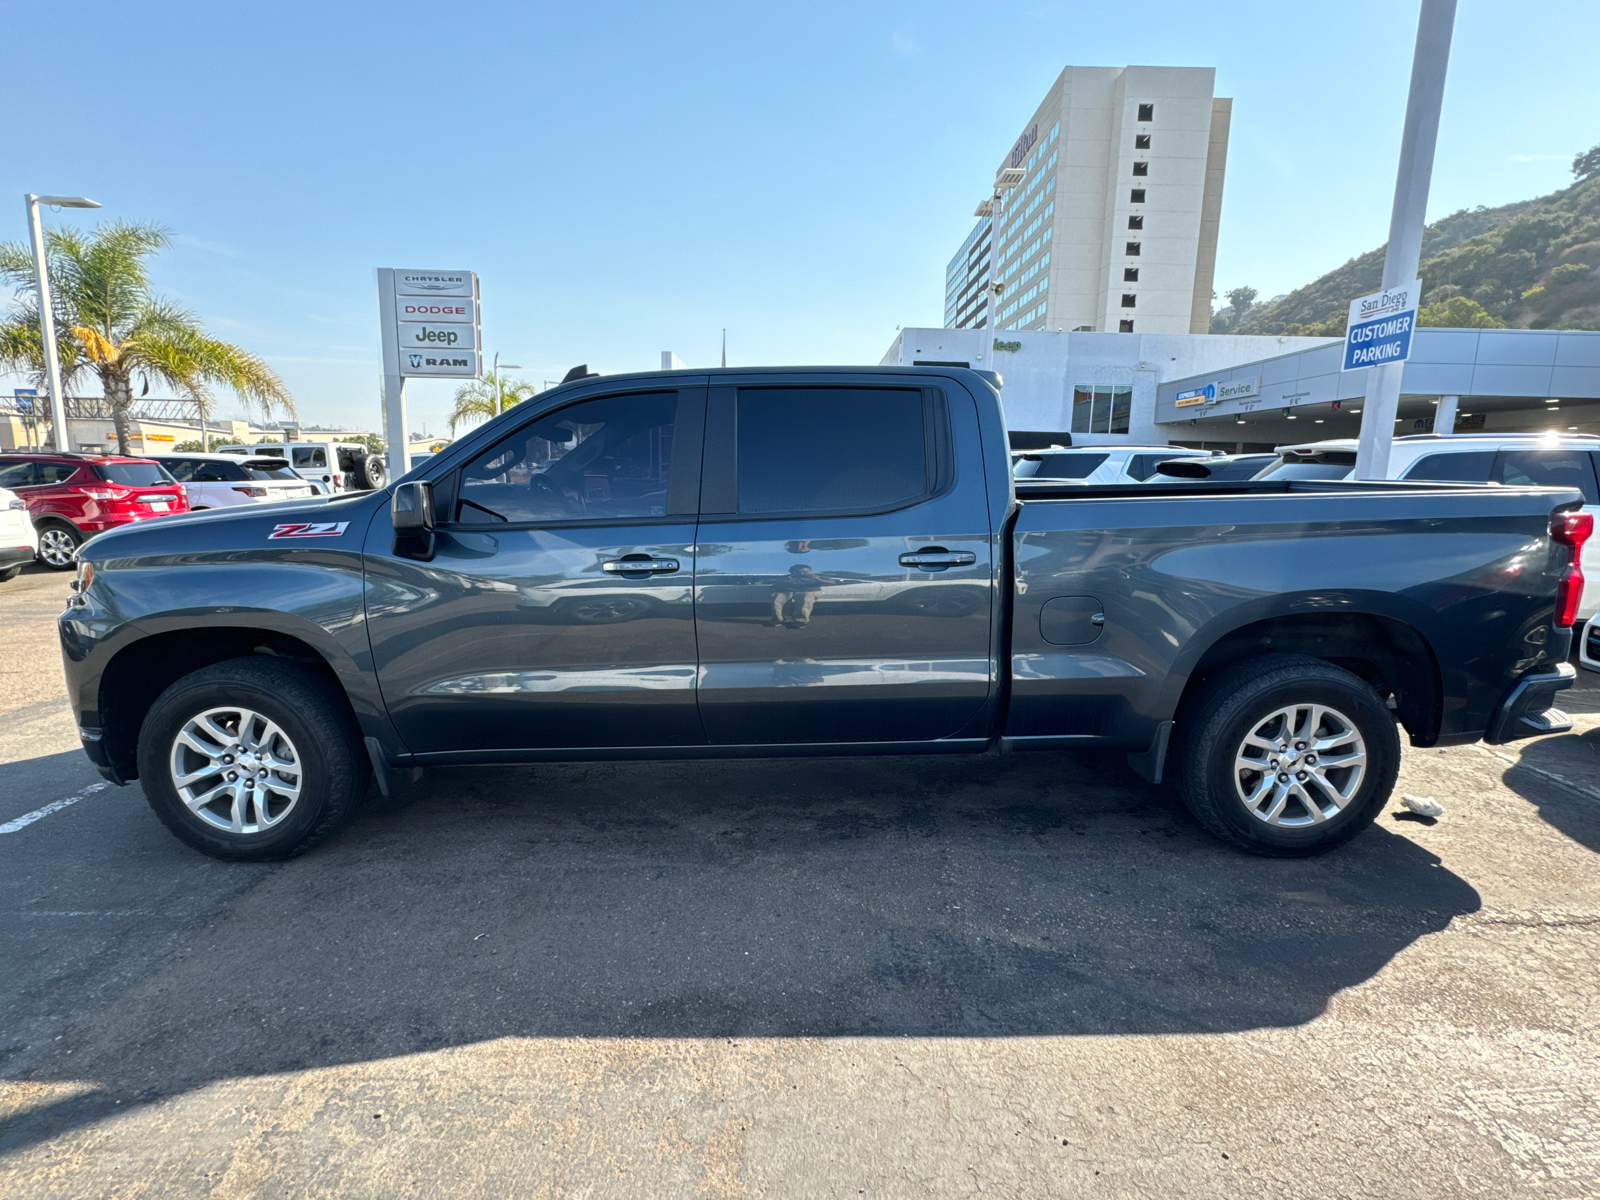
<point>308,529</point>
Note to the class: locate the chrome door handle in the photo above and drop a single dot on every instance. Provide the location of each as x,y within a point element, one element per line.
<point>639,566</point>
<point>938,558</point>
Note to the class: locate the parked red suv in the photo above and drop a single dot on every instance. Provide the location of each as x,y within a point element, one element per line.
<point>72,497</point>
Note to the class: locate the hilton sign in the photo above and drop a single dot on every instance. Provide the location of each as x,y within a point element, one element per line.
<point>1024,144</point>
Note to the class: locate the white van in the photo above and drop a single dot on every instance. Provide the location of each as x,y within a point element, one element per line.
<point>337,466</point>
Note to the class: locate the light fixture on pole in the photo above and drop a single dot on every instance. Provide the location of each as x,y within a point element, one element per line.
<point>47,323</point>
<point>994,209</point>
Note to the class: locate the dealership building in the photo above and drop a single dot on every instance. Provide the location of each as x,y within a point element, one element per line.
<point>1113,227</point>
<point>1236,392</point>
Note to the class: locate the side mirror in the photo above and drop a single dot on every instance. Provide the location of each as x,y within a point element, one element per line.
<point>411,510</point>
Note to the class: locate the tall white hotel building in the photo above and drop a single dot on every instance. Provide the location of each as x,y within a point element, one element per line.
<point>1114,226</point>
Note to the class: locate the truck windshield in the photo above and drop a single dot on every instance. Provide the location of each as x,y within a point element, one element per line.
<point>134,474</point>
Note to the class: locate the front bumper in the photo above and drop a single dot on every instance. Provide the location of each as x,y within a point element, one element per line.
<point>1528,708</point>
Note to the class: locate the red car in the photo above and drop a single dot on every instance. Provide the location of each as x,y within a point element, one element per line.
<point>72,497</point>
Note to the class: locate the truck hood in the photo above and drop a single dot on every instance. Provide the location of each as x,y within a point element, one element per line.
<point>334,522</point>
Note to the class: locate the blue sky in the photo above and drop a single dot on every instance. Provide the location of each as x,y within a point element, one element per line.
<point>629,178</point>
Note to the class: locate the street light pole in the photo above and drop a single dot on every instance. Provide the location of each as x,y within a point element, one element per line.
<point>47,322</point>
<point>1403,255</point>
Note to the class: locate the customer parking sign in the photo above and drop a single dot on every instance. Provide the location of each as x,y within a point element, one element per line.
<point>1380,325</point>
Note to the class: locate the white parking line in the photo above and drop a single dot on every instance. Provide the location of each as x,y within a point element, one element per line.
<point>40,814</point>
<point>1574,785</point>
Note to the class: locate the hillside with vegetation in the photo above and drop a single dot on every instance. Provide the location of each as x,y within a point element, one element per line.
<point>1528,265</point>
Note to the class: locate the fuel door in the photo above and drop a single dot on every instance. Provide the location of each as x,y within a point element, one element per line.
<point>1071,620</point>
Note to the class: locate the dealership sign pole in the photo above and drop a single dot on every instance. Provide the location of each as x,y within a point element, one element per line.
<point>431,329</point>
<point>1404,253</point>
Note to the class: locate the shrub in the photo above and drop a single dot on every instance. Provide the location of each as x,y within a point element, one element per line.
<point>1569,273</point>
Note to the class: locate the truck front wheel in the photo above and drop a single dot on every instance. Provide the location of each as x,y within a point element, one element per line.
<point>252,759</point>
<point>1286,756</point>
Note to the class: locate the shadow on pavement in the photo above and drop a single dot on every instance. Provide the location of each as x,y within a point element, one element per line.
<point>1574,757</point>
<point>1034,894</point>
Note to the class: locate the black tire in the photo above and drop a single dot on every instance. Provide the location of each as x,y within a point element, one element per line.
<point>9,573</point>
<point>1241,701</point>
<point>372,473</point>
<point>58,543</point>
<point>309,712</point>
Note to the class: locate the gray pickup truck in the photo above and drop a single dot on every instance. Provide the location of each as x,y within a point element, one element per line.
<point>813,561</point>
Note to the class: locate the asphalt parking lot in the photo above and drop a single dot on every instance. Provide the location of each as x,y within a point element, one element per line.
<point>1029,975</point>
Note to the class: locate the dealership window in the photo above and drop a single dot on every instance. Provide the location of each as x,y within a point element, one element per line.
<point>1136,222</point>
<point>1136,196</point>
<point>1101,408</point>
<point>1128,300</point>
<point>1132,250</point>
<point>1124,326</point>
<point>1147,112</point>
<point>1141,168</point>
<point>1141,141</point>
<point>1130,274</point>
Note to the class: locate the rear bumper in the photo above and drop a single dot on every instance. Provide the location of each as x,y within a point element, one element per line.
<point>1528,709</point>
<point>11,556</point>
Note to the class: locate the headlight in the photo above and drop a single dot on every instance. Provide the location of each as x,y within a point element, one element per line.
<point>85,577</point>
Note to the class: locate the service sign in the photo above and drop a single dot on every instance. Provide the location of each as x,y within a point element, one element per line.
<point>1380,327</point>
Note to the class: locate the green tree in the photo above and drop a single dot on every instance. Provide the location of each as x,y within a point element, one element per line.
<point>488,397</point>
<point>188,448</point>
<point>1458,312</point>
<point>1587,164</point>
<point>116,327</point>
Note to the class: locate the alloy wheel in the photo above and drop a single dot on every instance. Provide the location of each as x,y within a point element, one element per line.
<point>56,547</point>
<point>1300,765</point>
<point>236,770</point>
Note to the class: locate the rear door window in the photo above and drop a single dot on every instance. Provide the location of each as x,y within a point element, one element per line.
<point>181,469</point>
<point>312,458</point>
<point>56,472</point>
<point>832,449</point>
<point>1466,466</point>
<point>1549,468</point>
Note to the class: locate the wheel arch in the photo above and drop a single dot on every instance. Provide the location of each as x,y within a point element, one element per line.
<point>141,670</point>
<point>1384,642</point>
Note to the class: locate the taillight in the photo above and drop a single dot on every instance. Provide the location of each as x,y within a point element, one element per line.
<point>252,491</point>
<point>1571,529</point>
<point>107,493</point>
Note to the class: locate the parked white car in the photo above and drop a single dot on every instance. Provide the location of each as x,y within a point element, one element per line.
<point>224,480</point>
<point>336,466</point>
<point>1097,464</point>
<point>1547,459</point>
<point>19,540</point>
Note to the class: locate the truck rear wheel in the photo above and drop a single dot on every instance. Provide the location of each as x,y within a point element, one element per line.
<point>1286,756</point>
<point>253,759</point>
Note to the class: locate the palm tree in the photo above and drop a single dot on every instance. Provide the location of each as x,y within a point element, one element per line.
<point>118,327</point>
<point>488,397</point>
